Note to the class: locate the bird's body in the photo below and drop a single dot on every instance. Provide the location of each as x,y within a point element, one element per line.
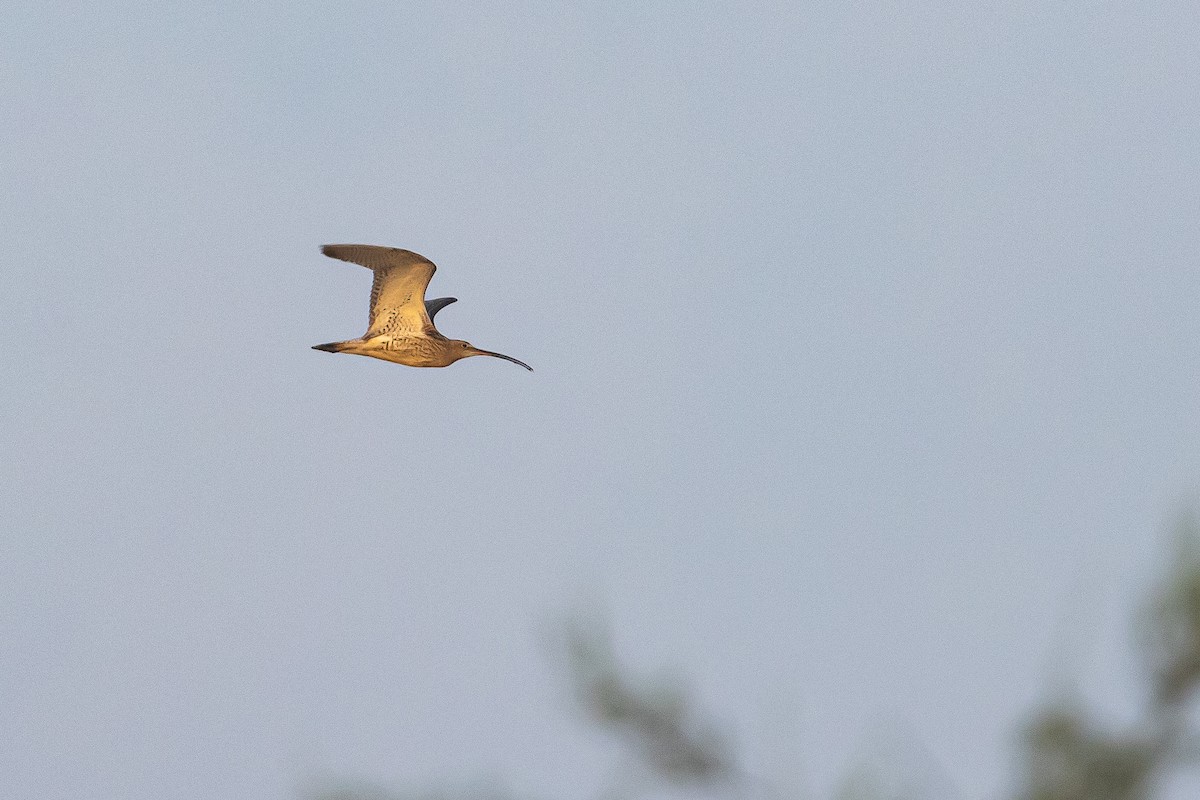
<point>400,327</point>
<point>412,351</point>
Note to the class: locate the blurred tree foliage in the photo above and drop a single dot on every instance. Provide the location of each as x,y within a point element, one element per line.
<point>665,732</point>
<point>1071,757</point>
<point>672,745</point>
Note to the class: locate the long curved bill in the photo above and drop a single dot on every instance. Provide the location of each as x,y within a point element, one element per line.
<point>479,352</point>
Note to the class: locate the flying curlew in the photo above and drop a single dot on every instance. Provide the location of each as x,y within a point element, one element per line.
<point>400,327</point>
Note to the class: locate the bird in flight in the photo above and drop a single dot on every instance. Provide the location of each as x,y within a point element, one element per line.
<point>400,326</point>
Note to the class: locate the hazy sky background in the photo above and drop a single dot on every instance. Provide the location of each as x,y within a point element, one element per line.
<point>865,337</point>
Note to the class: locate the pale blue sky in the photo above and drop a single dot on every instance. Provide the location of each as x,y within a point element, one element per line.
<point>865,340</point>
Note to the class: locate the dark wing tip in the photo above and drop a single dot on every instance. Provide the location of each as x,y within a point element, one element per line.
<point>432,307</point>
<point>336,250</point>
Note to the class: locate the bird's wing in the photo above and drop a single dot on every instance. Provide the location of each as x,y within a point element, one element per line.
<point>398,292</point>
<point>434,306</point>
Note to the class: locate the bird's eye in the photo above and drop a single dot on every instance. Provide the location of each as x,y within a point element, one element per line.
<point>466,345</point>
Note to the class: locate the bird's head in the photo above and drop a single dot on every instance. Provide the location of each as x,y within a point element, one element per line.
<point>466,350</point>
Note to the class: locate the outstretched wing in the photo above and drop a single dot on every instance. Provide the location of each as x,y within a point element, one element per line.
<point>434,306</point>
<point>398,292</point>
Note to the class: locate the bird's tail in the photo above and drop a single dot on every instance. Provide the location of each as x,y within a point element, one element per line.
<point>332,347</point>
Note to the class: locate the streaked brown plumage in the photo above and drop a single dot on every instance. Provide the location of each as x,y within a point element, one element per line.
<point>400,325</point>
